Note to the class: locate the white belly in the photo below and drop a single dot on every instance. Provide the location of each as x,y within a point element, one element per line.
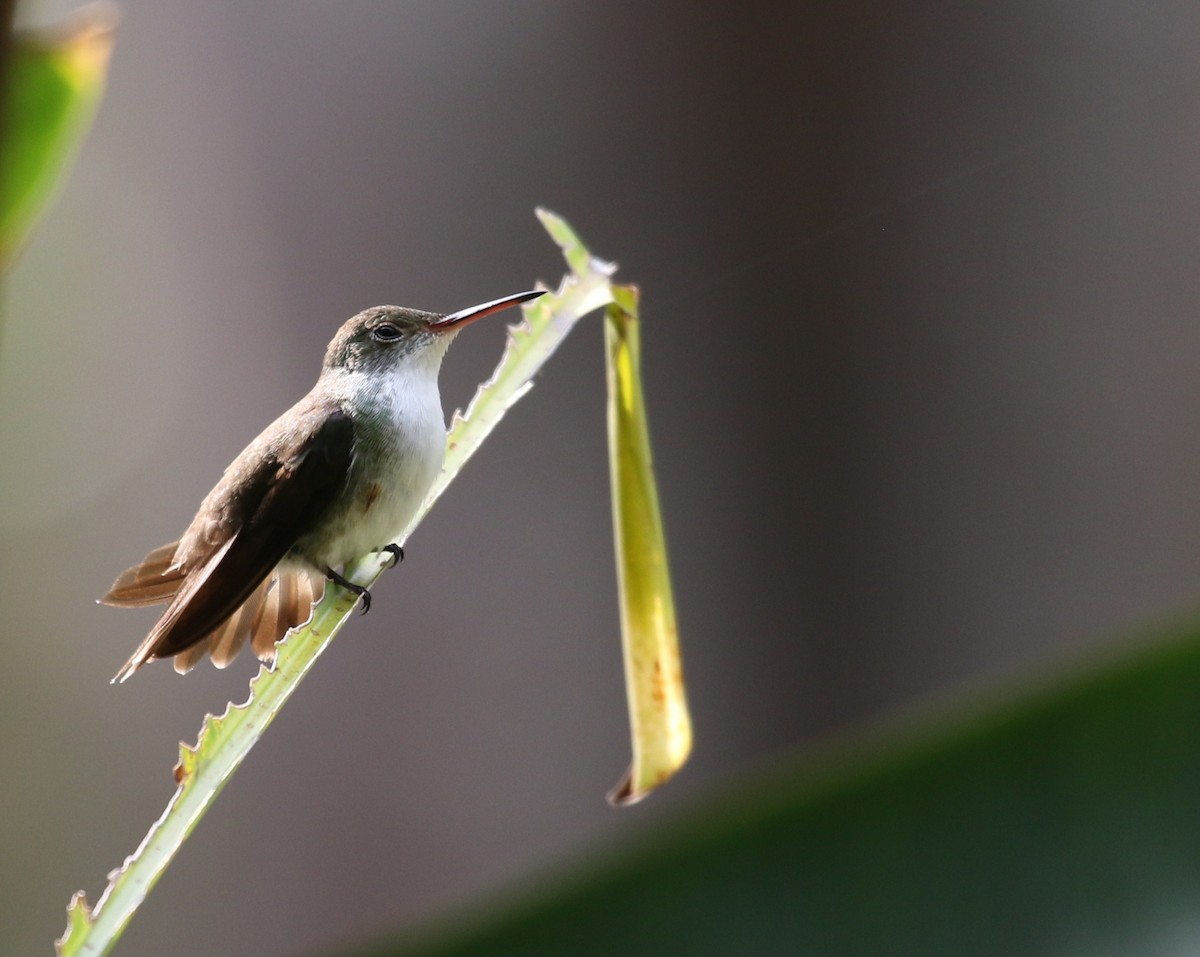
<point>400,442</point>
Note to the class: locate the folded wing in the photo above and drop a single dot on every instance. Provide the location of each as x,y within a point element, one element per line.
<point>231,595</point>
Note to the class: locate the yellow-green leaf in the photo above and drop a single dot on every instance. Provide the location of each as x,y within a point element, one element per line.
<point>660,724</point>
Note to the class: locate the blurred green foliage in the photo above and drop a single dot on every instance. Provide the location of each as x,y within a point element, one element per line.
<point>51,91</point>
<point>1060,820</point>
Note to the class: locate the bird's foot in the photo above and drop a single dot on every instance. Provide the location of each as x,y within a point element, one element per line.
<point>396,552</point>
<point>345,582</point>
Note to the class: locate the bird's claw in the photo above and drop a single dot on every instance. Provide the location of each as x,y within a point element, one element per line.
<point>396,552</point>
<point>359,590</point>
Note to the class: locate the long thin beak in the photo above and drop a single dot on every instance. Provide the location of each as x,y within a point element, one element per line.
<point>458,319</point>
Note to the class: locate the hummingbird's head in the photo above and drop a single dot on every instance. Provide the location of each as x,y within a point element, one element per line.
<point>388,338</point>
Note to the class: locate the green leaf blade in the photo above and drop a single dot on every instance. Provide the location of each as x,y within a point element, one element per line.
<point>201,774</point>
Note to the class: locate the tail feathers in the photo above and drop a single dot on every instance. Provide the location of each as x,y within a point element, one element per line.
<point>152,581</point>
<point>287,605</point>
<point>225,641</point>
<point>185,661</point>
<point>284,600</point>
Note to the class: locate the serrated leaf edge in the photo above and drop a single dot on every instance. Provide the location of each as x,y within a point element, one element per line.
<point>586,289</point>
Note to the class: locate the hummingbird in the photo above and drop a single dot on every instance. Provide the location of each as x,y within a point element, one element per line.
<point>334,478</point>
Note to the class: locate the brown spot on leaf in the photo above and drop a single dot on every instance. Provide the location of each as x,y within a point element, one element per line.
<point>659,689</point>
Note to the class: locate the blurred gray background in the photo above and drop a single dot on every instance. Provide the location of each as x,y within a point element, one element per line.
<point>922,348</point>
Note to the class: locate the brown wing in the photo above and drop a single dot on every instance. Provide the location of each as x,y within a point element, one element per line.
<point>288,495</point>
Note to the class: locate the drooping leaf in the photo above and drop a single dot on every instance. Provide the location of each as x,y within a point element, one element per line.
<point>54,83</point>
<point>658,714</point>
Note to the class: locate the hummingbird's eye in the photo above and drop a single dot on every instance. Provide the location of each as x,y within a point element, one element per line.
<point>385,332</point>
